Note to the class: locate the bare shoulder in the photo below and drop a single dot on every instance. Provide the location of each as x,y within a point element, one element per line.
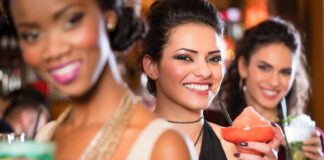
<point>141,116</point>
<point>172,145</point>
<point>142,109</point>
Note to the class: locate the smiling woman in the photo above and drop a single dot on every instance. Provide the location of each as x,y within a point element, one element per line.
<point>269,67</point>
<point>67,44</point>
<point>265,68</point>
<point>182,59</point>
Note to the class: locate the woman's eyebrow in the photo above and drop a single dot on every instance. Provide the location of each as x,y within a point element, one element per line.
<point>56,16</point>
<point>212,52</point>
<point>60,12</point>
<point>194,51</point>
<point>186,49</point>
<point>264,63</point>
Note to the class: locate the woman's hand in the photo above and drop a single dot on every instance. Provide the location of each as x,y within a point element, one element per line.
<point>270,150</point>
<point>313,147</point>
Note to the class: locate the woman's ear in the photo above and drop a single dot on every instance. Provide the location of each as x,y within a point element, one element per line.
<point>242,67</point>
<point>150,67</point>
<point>111,19</point>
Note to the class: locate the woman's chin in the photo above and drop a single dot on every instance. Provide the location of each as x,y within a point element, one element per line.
<point>71,91</point>
<point>198,106</point>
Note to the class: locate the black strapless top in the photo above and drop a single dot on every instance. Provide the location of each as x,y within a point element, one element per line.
<point>211,148</point>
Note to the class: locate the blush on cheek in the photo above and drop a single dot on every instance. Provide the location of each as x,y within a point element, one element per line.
<point>218,73</point>
<point>174,71</point>
<point>31,58</point>
<point>87,37</point>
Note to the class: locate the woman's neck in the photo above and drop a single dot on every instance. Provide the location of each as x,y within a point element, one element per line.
<point>268,112</point>
<point>271,115</point>
<point>101,101</point>
<point>190,121</point>
<point>174,112</point>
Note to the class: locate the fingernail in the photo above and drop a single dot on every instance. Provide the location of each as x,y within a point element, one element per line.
<point>236,155</point>
<point>244,144</point>
<point>273,124</point>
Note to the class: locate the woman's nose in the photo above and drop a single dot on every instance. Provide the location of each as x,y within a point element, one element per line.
<point>55,47</point>
<point>274,79</point>
<point>202,69</point>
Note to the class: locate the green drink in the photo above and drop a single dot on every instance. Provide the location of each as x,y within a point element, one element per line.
<point>296,151</point>
<point>299,130</point>
<point>27,151</point>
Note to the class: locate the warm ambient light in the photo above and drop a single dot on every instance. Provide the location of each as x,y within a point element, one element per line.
<point>256,12</point>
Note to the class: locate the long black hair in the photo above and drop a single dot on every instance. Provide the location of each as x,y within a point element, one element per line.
<point>273,30</point>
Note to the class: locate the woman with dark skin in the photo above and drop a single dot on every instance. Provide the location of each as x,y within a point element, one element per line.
<point>67,44</point>
<point>182,58</point>
<point>268,67</point>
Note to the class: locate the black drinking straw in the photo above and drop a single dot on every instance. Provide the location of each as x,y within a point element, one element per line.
<point>222,107</point>
<point>225,113</point>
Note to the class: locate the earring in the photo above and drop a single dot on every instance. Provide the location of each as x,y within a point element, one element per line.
<point>110,27</point>
<point>242,86</point>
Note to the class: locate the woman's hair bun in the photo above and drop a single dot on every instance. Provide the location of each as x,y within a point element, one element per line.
<point>129,28</point>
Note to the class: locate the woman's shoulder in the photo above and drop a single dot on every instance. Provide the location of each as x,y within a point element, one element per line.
<point>141,116</point>
<point>157,134</point>
<point>173,145</point>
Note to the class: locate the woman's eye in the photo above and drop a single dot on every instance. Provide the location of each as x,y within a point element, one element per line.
<point>183,57</point>
<point>286,72</point>
<point>264,67</point>
<point>29,36</point>
<point>215,59</point>
<point>74,20</point>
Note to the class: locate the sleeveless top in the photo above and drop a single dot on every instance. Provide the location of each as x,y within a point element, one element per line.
<point>144,145</point>
<point>211,147</point>
<point>141,149</point>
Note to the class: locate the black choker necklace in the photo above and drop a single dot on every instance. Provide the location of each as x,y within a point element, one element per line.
<point>195,121</point>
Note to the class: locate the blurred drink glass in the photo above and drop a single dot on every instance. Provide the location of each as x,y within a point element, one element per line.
<point>12,137</point>
<point>299,130</point>
<point>15,147</point>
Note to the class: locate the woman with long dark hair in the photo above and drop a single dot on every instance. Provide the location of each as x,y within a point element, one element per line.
<point>270,68</point>
<point>182,59</point>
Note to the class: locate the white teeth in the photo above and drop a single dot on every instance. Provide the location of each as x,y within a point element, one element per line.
<point>269,93</point>
<point>199,87</point>
<point>66,69</point>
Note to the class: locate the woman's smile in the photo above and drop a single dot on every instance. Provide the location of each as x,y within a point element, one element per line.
<point>66,73</point>
<point>198,88</point>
